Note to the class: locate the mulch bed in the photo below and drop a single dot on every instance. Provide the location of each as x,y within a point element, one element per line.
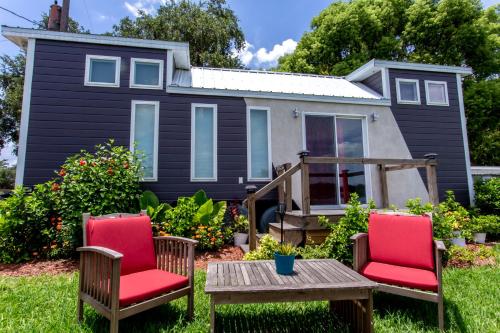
<point>53,267</point>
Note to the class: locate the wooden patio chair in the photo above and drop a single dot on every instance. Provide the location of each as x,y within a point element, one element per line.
<point>124,270</point>
<point>400,254</point>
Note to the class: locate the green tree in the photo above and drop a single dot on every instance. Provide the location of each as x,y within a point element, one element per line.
<point>11,87</point>
<point>482,106</point>
<point>210,27</point>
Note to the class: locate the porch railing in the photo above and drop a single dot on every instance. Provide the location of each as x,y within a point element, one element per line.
<point>285,172</point>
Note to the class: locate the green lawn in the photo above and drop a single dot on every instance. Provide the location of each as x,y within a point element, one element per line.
<point>48,304</point>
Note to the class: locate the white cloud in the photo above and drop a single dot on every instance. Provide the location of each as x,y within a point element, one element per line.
<point>148,6</point>
<point>264,58</point>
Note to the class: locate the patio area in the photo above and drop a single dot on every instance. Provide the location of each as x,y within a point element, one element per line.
<point>47,303</point>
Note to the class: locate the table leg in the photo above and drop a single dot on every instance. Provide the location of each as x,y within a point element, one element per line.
<point>212,315</point>
<point>368,315</point>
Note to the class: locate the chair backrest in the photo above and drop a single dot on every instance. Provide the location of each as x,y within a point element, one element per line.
<point>403,240</point>
<point>129,234</point>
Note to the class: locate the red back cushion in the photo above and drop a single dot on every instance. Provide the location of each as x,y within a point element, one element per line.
<point>131,236</point>
<point>401,240</point>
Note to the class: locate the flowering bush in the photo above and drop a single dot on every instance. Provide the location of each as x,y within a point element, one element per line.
<point>267,246</point>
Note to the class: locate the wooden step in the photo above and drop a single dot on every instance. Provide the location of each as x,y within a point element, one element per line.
<point>291,233</point>
<point>310,221</point>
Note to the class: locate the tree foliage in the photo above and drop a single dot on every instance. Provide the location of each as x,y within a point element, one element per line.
<point>210,27</point>
<point>11,87</point>
<point>450,32</point>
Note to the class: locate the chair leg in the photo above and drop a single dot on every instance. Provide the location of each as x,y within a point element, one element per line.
<point>80,309</point>
<point>441,314</point>
<point>190,304</point>
<point>113,325</point>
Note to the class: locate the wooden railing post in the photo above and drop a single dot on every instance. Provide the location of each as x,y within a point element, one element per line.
<point>383,186</point>
<point>288,189</point>
<point>281,187</point>
<point>252,218</point>
<point>432,187</point>
<point>306,200</point>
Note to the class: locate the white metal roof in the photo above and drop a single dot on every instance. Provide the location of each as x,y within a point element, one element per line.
<point>271,82</point>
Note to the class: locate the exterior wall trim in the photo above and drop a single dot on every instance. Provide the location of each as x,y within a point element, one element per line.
<point>89,83</point>
<point>269,145</point>
<point>215,150</point>
<point>427,99</point>
<point>271,95</point>
<point>25,111</point>
<point>156,135</point>
<point>470,182</point>
<point>144,86</point>
<point>398,92</point>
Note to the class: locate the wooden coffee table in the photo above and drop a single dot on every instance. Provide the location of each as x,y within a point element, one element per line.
<point>240,282</point>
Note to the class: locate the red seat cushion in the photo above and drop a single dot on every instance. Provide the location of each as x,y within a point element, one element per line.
<point>140,286</point>
<point>401,276</point>
<point>401,240</point>
<point>131,236</point>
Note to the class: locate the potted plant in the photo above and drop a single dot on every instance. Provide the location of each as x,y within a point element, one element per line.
<point>483,224</point>
<point>240,228</point>
<point>284,258</point>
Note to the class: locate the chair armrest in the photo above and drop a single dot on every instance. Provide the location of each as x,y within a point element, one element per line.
<point>175,255</point>
<point>359,235</point>
<point>111,254</point>
<point>359,250</point>
<point>439,245</point>
<point>100,275</point>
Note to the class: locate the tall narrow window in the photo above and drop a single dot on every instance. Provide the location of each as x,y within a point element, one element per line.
<point>258,140</point>
<point>103,71</point>
<point>204,142</point>
<point>144,136</point>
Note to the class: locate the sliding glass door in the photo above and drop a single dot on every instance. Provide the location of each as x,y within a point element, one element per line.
<point>328,135</point>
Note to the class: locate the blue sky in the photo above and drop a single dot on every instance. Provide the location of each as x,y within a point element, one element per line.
<point>272,27</point>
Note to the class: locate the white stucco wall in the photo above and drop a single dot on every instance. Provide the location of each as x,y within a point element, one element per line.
<point>384,141</point>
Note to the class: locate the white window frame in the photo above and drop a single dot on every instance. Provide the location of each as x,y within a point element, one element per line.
<point>90,57</point>
<point>446,98</point>
<point>193,129</point>
<point>156,135</point>
<point>146,86</point>
<point>398,93</point>
<point>249,145</point>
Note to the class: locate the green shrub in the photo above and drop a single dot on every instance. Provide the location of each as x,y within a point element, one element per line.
<point>196,217</point>
<point>470,255</point>
<point>267,247</point>
<point>312,251</point>
<point>486,223</point>
<point>7,175</point>
<point>488,196</point>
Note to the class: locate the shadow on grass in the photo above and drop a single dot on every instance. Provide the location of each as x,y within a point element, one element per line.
<point>417,312</point>
<point>277,320</point>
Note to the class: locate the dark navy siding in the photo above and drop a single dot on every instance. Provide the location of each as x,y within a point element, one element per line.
<point>434,129</point>
<point>67,116</point>
<point>374,82</point>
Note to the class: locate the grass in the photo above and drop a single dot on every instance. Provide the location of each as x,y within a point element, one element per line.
<point>48,304</point>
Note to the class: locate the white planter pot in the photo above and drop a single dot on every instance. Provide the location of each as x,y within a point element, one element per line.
<point>480,237</point>
<point>240,238</point>
<point>458,241</point>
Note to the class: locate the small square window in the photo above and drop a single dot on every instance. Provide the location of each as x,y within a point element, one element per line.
<point>102,71</point>
<point>146,73</point>
<point>407,91</point>
<point>436,93</point>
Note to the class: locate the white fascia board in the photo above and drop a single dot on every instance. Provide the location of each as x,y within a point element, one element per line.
<point>374,65</point>
<point>20,35</point>
<point>275,95</point>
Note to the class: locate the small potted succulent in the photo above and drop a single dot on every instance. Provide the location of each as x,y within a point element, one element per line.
<point>284,258</point>
<point>240,229</point>
<point>483,224</point>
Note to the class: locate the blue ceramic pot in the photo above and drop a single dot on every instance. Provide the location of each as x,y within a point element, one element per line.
<point>284,264</point>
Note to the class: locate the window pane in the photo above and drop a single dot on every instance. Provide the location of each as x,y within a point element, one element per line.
<point>144,132</point>
<point>102,71</point>
<point>320,141</point>
<point>259,144</point>
<point>436,93</point>
<point>147,73</point>
<point>350,144</point>
<point>204,143</point>
<point>408,91</point>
